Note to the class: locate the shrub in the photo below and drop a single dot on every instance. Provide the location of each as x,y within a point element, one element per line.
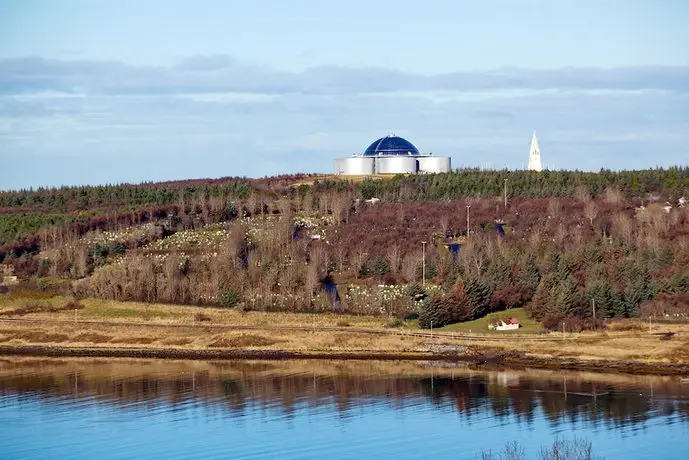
<point>201,317</point>
<point>552,322</point>
<point>378,267</point>
<point>393,323</point>
<point>575,449</point>
<point>436,313</point>
<point>507,297</point>
<point>625,326</point>
<point>73,304</point>
<point>228,296</point>
<point>443,310</point>
<point>416,292</point>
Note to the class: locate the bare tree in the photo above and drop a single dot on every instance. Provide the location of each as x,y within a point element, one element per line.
<point>341,255</point>
<point>613,196</point>
<point>410,266</point>
<point>360,258</point>
<point>310,280</point>
<point>341,204</point>
<point>401,215</point>
<point>623,226</point>
<point>554,207</point>
<point>444,224</point>
<point>591,211</point>
<point>560,234</point>
<point>576,449</point>
<point>581,193</point>
<point>393,255</point>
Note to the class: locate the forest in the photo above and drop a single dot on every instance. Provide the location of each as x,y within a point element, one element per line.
<point>570,247</point>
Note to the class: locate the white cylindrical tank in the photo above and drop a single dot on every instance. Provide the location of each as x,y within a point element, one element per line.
<point>432,165</point>
<point>354,166</point>
<point>396,165</point>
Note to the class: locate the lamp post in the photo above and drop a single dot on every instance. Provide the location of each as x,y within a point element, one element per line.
<point>468,206</point>
<point>423,263</point>
<point>506,194</point>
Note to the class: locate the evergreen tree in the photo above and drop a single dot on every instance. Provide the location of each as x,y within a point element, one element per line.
<point>568,298</point>
<point>601,292</point>
<point>529,276</point>
<point>478,293</point>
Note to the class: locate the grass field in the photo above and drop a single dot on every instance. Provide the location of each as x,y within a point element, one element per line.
<point>116,325</point>
<point>480,326</point>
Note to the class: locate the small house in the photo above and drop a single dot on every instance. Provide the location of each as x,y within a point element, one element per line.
<point>505,325</point>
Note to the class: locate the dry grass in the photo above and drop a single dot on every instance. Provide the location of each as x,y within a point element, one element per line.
<point>135,340</point>
<point>355,178</point>
<point>201,337</point>
<point>92,337</point>
<point>622,346</point>
<point>169,326</point>
<point>137,312</point>
<point>33,336</point>
<point>177,342</point>
<point>641,347</point>
<point>242,341</point>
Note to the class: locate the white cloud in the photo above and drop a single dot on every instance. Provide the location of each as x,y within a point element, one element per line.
<point>132,124</point>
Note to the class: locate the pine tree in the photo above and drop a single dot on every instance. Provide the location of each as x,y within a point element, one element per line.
<point>529,276</point>
<point>568,298</point>
<point>601,292</point>
<point>478,293</point>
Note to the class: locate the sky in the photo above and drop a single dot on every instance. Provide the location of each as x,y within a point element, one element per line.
<point>129,91</point>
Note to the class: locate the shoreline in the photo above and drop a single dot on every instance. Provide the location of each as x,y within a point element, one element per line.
<point>512,360</point>
<point>109,329</point>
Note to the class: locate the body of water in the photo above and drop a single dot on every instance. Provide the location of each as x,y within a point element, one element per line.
<point>121,409</point>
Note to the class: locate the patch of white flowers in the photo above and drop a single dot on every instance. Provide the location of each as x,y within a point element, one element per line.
<point>313,221</point>
<point>392,292</point>
<point>206,239</point>
<point>125,235</point>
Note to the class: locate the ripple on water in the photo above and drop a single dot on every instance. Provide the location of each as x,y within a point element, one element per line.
<point>254,412</point>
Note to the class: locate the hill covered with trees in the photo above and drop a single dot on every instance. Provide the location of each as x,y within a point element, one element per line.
<point>564,242</point>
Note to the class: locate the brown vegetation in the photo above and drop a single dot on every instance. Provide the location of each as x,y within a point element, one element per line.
<point>566,242</point>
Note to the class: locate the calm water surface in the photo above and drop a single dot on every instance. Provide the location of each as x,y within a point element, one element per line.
<point>112,409</point>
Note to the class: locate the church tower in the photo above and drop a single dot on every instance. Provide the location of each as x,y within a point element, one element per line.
<point>534,155</point>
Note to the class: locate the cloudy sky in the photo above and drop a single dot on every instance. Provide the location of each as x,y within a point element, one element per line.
<point>128,91</point>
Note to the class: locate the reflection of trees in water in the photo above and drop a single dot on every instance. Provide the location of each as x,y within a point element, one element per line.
<point>499,395</point>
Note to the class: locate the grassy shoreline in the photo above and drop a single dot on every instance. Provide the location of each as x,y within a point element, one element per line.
<point>123,329</point>
<point>515,361</point>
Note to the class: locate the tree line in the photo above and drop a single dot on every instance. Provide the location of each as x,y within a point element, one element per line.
<point>618,250</point>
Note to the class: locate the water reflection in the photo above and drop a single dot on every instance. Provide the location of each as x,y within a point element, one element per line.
<point>613,401</point>
<point>258,399</point>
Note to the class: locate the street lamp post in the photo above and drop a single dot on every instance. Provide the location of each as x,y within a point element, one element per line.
<point>506,194</point>
<point>423,263</point>
<point>468,206</point>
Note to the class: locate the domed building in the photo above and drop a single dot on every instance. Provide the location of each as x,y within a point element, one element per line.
<point>391,155</point>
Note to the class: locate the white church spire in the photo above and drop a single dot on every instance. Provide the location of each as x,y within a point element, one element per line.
<point>534,154</point>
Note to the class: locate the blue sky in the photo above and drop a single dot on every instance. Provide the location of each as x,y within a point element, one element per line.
<point>115,91</point>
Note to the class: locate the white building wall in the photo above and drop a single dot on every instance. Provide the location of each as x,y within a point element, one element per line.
<point>396,165</point>
<point>434,164</point>
<point>354,166</point>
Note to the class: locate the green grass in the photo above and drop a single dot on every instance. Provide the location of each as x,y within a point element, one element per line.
<point>529,326</point>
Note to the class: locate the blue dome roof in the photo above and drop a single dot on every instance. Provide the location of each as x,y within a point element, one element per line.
<point>391,145</point>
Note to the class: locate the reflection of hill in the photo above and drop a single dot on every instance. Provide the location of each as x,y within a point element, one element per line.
<point>289,386</point>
